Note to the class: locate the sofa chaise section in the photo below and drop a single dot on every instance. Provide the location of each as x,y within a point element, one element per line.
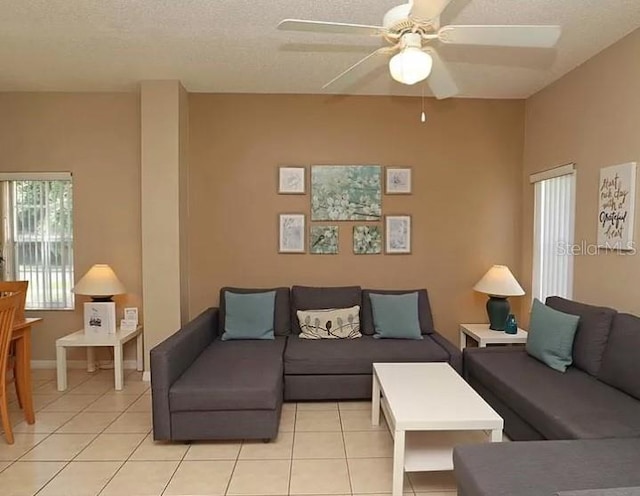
<point>573,405</point>
<point>206,388</point>
<point>544,468</point>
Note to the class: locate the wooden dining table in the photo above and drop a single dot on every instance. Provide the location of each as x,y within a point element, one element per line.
<point>21,338</point>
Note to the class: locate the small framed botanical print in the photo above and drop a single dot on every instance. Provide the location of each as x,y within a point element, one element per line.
<point>291,180</point>
<point>323,240</point>
<point>398,234</point>
<point>292,229</point>
<point>398,180</point>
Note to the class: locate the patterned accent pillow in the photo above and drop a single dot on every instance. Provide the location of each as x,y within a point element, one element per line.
<point>330,323</point>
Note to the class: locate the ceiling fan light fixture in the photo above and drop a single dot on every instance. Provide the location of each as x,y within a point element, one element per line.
<point>410,66</point>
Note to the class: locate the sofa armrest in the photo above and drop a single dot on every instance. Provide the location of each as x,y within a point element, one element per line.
<point>455,356</point>
<point>171,358</point>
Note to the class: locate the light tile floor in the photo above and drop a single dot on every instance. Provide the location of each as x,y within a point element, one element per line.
<point>92,440</point>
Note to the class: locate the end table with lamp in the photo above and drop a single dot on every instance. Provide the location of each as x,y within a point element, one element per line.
<point>499,284</point>
<point>101,283</point>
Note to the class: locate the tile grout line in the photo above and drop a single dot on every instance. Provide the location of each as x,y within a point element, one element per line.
<point>166,486</point>
<point>235,464</point>
<point>344,447</point>
<point>293,447</point>
<point>123,463</point>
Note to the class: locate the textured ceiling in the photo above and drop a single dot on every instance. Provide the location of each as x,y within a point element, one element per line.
<point>234,46</point>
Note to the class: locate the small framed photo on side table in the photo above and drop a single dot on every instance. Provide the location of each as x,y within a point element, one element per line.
<point>130,321</point>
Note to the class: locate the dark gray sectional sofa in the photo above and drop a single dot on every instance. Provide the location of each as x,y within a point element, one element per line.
<point>583,426</point>
<point>206,388</point>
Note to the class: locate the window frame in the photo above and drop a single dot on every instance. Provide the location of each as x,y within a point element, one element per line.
<point>537,180</point>
<point>7,210</point>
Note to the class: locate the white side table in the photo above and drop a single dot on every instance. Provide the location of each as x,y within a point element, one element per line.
<point>484,336</point>
<point>80,339</point>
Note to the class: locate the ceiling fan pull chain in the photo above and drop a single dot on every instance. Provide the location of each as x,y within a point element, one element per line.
<point>423,116</point>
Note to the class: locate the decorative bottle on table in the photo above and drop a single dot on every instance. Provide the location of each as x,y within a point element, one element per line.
<point>511,325</point>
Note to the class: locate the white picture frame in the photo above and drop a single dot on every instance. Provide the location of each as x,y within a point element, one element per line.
<point>398,180</point>
<point>398,234</point>
<point>616,206</point>
<point>291,180</point>
<point>128,325</point>
<point>131,313</point>
<point>291,237</point>
<point>99,318</point>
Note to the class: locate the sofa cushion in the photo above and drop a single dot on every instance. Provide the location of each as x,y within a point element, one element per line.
<point>424,309</point>
<point>592,334</point>
<point>356,356</point>
<point>395,316</point>
<point>281,317</point>
<point>232,375</point>
<point>536,468</point>
<point>248,316</point>
<point>620,361</point>
<point>551,336</point>
<point>309,298</point>
<point>573,405</point>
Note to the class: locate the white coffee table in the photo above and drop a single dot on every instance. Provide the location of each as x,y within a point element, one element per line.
<point>429,409</point>
<point>90,341</point>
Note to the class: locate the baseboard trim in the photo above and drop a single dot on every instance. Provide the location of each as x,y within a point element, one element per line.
<point>75,364</point>
<point>146,376</point>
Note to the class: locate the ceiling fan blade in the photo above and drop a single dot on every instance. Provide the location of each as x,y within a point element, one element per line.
<point>509,36</point>
<point>330,27</point>
<point>440,81</point>
<point>359,62</point>
<point>426,10</point>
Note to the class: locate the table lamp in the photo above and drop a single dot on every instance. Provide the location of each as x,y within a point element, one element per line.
<point>498,283</point>
<point>101,283</point>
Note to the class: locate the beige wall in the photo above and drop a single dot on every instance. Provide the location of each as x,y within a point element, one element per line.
<point>96,137</point>
<point>590,117</point>
<point>466,204</point>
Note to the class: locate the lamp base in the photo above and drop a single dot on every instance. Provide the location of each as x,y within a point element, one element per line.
<point>102,299</point>
<point>498,310</point>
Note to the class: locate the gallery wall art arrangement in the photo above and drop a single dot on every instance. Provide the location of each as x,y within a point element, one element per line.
<point>345,193</point>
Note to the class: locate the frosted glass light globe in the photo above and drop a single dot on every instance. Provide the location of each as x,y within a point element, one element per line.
<point>410,66</point>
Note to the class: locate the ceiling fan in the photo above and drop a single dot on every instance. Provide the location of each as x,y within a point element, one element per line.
<point>411,30</point>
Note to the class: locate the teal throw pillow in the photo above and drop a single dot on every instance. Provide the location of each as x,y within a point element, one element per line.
<point>249,316</point>
<point>551,334</point>
<point>395,316</point>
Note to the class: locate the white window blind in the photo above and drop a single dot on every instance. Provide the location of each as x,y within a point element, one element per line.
<point>554,233</point>
<point>38,238</point>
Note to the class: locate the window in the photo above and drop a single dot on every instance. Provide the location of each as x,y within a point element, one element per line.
<point>553,232</point>
<point>37,242</point>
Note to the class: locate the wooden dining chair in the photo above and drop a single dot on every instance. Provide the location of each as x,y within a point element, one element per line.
<point>8,306</point>
<point>10,287</point>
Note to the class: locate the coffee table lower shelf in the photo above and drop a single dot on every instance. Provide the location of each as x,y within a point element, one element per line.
<point>431,451</point>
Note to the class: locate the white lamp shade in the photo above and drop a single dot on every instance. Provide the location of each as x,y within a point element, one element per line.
<point>410,66</point>
<point>101,280</point>
<point>499,281</point>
